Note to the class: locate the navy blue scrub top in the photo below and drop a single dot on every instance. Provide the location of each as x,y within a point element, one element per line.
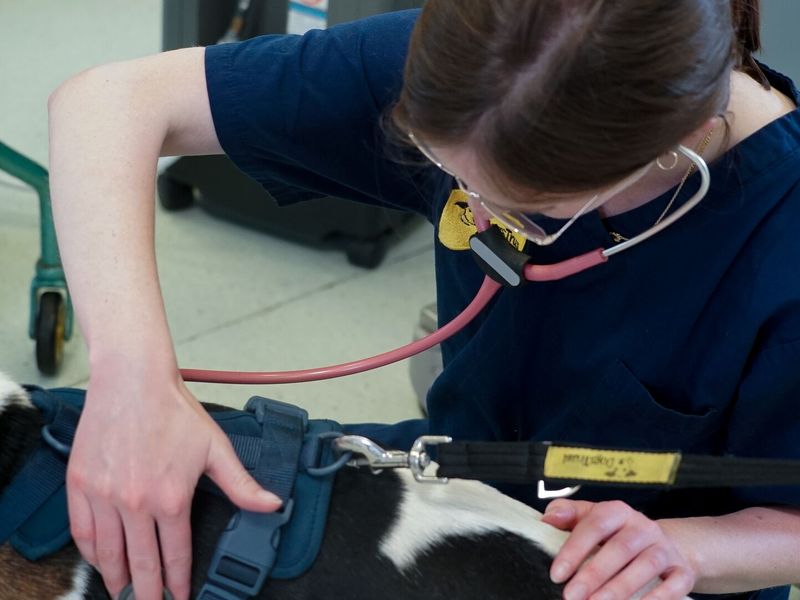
<point>688,341</point>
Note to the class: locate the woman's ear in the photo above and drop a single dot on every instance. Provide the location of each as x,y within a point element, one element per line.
<point>714,122</point>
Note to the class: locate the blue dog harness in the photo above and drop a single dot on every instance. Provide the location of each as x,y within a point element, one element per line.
<point>276,442</point>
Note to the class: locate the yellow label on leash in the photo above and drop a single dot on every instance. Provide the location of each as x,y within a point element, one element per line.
<point>615,466</point>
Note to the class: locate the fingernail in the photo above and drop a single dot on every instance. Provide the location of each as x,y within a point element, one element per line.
<point>560,514</point>
<point>269,497</point>
<point>576,591</point>
<point>559,571</point>
<point>558,511</point>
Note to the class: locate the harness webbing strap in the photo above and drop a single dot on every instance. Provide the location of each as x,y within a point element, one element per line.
<point>242,561</point>
<point>41,477</point>
<point>529,462</point>
<point>284,427</point>
<point>247,448</point>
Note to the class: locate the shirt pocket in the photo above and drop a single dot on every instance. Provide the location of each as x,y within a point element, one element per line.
<point>620,411</point>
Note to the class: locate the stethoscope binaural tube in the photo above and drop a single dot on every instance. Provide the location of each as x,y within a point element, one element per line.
<point>495,258</point>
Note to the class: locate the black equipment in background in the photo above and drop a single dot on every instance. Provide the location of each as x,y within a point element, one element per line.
<point>214,182</point>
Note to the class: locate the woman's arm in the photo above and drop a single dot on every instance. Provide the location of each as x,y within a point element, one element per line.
<point>108,126</point>
<point>143,440</point>
<point>751,549</point>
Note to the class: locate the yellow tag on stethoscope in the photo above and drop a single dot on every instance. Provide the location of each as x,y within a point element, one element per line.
<point>611,466</point>
<point>457,225</point>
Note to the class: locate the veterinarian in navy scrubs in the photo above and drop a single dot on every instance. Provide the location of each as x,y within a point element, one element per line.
<point>690,340</point>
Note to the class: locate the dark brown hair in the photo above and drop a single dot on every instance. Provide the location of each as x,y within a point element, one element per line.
<point>747,24</point>
<point>568,95</point>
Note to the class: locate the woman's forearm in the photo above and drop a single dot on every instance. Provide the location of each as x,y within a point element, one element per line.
<point>108,126</point>
<point>103,153</point>
<point>751,549</point>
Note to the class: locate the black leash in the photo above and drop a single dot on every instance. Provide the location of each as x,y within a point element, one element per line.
<point>530,462</point>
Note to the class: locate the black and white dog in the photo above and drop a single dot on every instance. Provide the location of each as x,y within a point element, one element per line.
<point>387,537</point>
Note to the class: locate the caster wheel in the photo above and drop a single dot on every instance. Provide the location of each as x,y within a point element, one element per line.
<point>174,195</point>
<point>366,253</point>
<point>50,332</point>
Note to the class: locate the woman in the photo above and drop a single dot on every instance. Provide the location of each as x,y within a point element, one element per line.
<point>533,112</point>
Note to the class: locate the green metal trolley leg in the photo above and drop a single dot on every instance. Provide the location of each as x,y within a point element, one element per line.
<point>51,315</point>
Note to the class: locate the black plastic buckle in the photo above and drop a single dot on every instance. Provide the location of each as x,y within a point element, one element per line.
<point>245,554</point>
<point>497,258</point>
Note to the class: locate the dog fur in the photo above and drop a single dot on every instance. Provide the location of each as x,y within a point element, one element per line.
<point>387,537</point>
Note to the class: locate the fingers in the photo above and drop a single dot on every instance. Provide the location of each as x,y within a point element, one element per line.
<point>614,552</point>
<point>110,546</point>
<point>565,514</point>
<point>101,532</point>
<point>227,472</point>
<point>646,567</point>
<point>677,585</point>
<point>98,534</point>
<point>81,523</point>
<point>632,542</point>
<point>143,556</point>
<point>599,523</point>
<point>175,535</point>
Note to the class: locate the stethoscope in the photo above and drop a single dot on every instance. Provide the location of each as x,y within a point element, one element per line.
<point>503,265</point>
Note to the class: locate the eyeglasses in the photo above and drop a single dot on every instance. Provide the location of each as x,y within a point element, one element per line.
<point>518,221</point>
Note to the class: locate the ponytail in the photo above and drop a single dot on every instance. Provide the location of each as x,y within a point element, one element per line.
<point>746,26</point>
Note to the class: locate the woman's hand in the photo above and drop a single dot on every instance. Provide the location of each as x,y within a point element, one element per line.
<point>142,444</point>
<point>613,552</point>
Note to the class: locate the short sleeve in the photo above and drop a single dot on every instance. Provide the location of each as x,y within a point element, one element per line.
<point>302,114</point>
<point>766,419</point>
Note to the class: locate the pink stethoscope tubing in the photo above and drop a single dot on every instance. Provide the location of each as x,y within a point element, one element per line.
<point>486,292</point>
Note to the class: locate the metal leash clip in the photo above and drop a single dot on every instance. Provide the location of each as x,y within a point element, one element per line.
<point>370,454</point>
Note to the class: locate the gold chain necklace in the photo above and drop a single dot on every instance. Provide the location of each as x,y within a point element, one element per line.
<point>618,237</point>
